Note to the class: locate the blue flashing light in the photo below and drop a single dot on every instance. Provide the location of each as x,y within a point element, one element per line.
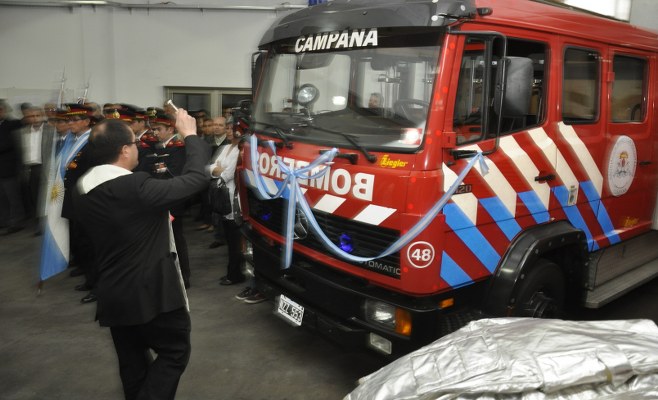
<point>265,215</point>
<point>345,243</point>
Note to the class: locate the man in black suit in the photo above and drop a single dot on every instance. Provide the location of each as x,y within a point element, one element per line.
<point>11,205</point>
<point>140,289</point>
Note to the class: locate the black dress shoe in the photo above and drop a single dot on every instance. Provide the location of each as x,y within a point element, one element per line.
<point>77,271</point>
<point>89,298</point>
<point>216,244</point>
<point>83,287</point>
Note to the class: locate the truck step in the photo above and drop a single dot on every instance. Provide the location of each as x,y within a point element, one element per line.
<point>621,285</point>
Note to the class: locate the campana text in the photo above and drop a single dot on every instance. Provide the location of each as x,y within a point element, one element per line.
<point>337,40</point>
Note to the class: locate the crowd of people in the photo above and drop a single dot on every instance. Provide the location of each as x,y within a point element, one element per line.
<point>44,154</point>
<point>107,189</point>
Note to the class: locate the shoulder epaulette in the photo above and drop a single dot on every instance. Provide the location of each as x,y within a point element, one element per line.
<point>175,142</point>
<point>143,145</point>
<point>149,138</point>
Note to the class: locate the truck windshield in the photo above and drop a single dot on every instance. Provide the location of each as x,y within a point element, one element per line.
<point>378,96</point>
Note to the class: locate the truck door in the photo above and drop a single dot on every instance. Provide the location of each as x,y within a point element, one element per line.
<point>629,168</point>
<point>494,207</point>
<point>581,138</point>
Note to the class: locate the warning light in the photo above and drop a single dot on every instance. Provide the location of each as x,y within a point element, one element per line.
<point>412,136</point>
<point>345,243</point>
<point>265,215</point>
<point>445,303</point>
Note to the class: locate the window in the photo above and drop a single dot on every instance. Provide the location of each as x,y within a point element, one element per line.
<point>213,100</point>
<point>580,93</point>
<point>628,89</point>
<point>476,111</point>
<point>192,101</point>
<point>367,98</point>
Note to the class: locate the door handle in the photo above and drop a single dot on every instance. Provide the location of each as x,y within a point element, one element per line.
<point>645,162</point>
<point>544,178</point>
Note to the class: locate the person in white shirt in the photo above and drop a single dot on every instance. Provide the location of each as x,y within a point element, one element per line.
<point>223,169</point>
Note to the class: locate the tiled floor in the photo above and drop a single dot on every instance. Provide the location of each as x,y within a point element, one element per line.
<point>51,348</point>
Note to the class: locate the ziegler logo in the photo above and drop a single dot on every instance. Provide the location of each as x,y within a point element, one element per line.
<point>388,163</point>
<point>337,40</point>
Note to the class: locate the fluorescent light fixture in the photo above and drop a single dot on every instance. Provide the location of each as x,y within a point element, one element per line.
<point>89,2</point>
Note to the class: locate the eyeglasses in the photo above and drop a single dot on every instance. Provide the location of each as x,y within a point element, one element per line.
<point>74,119</point>
<point>133,142</point>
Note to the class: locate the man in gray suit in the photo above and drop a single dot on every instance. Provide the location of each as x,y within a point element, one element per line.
<point>36,139</point>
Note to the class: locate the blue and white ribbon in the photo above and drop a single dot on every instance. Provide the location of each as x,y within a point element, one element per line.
<point>297,197</point>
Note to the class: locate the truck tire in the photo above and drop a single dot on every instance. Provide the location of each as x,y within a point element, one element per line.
<point>541,293</point>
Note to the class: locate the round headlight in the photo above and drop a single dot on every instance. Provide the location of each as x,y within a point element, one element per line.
<point>307,94</point>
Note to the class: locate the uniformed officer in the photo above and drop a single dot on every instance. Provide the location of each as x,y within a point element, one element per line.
<point>78,160</point>
<point>168,162</point>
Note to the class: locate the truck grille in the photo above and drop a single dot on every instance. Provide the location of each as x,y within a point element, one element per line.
<point>367,240</point>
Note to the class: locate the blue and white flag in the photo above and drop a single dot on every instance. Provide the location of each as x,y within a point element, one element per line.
<point>56,244</point>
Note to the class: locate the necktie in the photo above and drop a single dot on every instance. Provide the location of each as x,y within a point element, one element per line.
<point>58,146</point>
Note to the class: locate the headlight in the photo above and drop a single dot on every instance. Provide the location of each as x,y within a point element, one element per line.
<point>307,94</point>
<point>393,318</point>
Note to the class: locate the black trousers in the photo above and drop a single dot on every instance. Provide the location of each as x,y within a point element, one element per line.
<point>83,252</point>
<point>143,377</point>
<point>31,189</point>
<point>234,244</point>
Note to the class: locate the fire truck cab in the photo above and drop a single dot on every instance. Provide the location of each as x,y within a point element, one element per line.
<point>416,164</point>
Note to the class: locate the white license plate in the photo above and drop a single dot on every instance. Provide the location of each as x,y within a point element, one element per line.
<point>289,310</point>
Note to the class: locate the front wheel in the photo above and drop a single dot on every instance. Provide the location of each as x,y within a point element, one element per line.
<point>541,293</point>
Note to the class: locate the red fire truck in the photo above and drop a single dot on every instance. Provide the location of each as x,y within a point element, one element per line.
<point>417,164</point>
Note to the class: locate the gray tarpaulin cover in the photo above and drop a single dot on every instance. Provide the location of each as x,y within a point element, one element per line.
<point>524,358</point>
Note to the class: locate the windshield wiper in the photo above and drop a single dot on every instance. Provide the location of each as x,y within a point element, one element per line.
<point>278,131</point>
<point>370,157</point>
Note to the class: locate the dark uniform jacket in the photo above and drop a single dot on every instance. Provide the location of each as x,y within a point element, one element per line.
<point>80,164</point>
<point>10,150</point>
<point>169,161</point>
<point>146,150</point>
<point>128,220</point>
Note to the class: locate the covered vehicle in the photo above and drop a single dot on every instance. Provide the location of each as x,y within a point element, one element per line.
<point>524,358</point>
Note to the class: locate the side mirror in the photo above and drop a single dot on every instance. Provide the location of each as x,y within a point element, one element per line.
<point>256,70</point>
<point>518,87</point>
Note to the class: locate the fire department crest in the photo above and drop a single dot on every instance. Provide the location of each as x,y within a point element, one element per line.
<point>621,165</point>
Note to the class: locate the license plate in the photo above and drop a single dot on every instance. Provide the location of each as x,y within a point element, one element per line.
<point>289,310</point>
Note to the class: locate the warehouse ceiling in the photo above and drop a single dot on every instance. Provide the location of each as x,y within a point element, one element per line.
<point>205,4</point>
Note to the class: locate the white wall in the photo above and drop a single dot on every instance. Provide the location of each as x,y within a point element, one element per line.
<point>130,55</point>
<point>125,55</point>
<point>643,13</point>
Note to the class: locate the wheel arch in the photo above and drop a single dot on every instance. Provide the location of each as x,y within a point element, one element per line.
<point>559,242</point>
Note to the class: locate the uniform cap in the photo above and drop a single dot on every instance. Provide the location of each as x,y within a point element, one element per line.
<point>159,116</point>
<point>136,112</point>
<point>118,113</point>
<point>59,113</point>
<point>78,110</point>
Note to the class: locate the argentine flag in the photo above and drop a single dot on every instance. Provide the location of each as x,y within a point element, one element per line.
<point>55,247</point>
